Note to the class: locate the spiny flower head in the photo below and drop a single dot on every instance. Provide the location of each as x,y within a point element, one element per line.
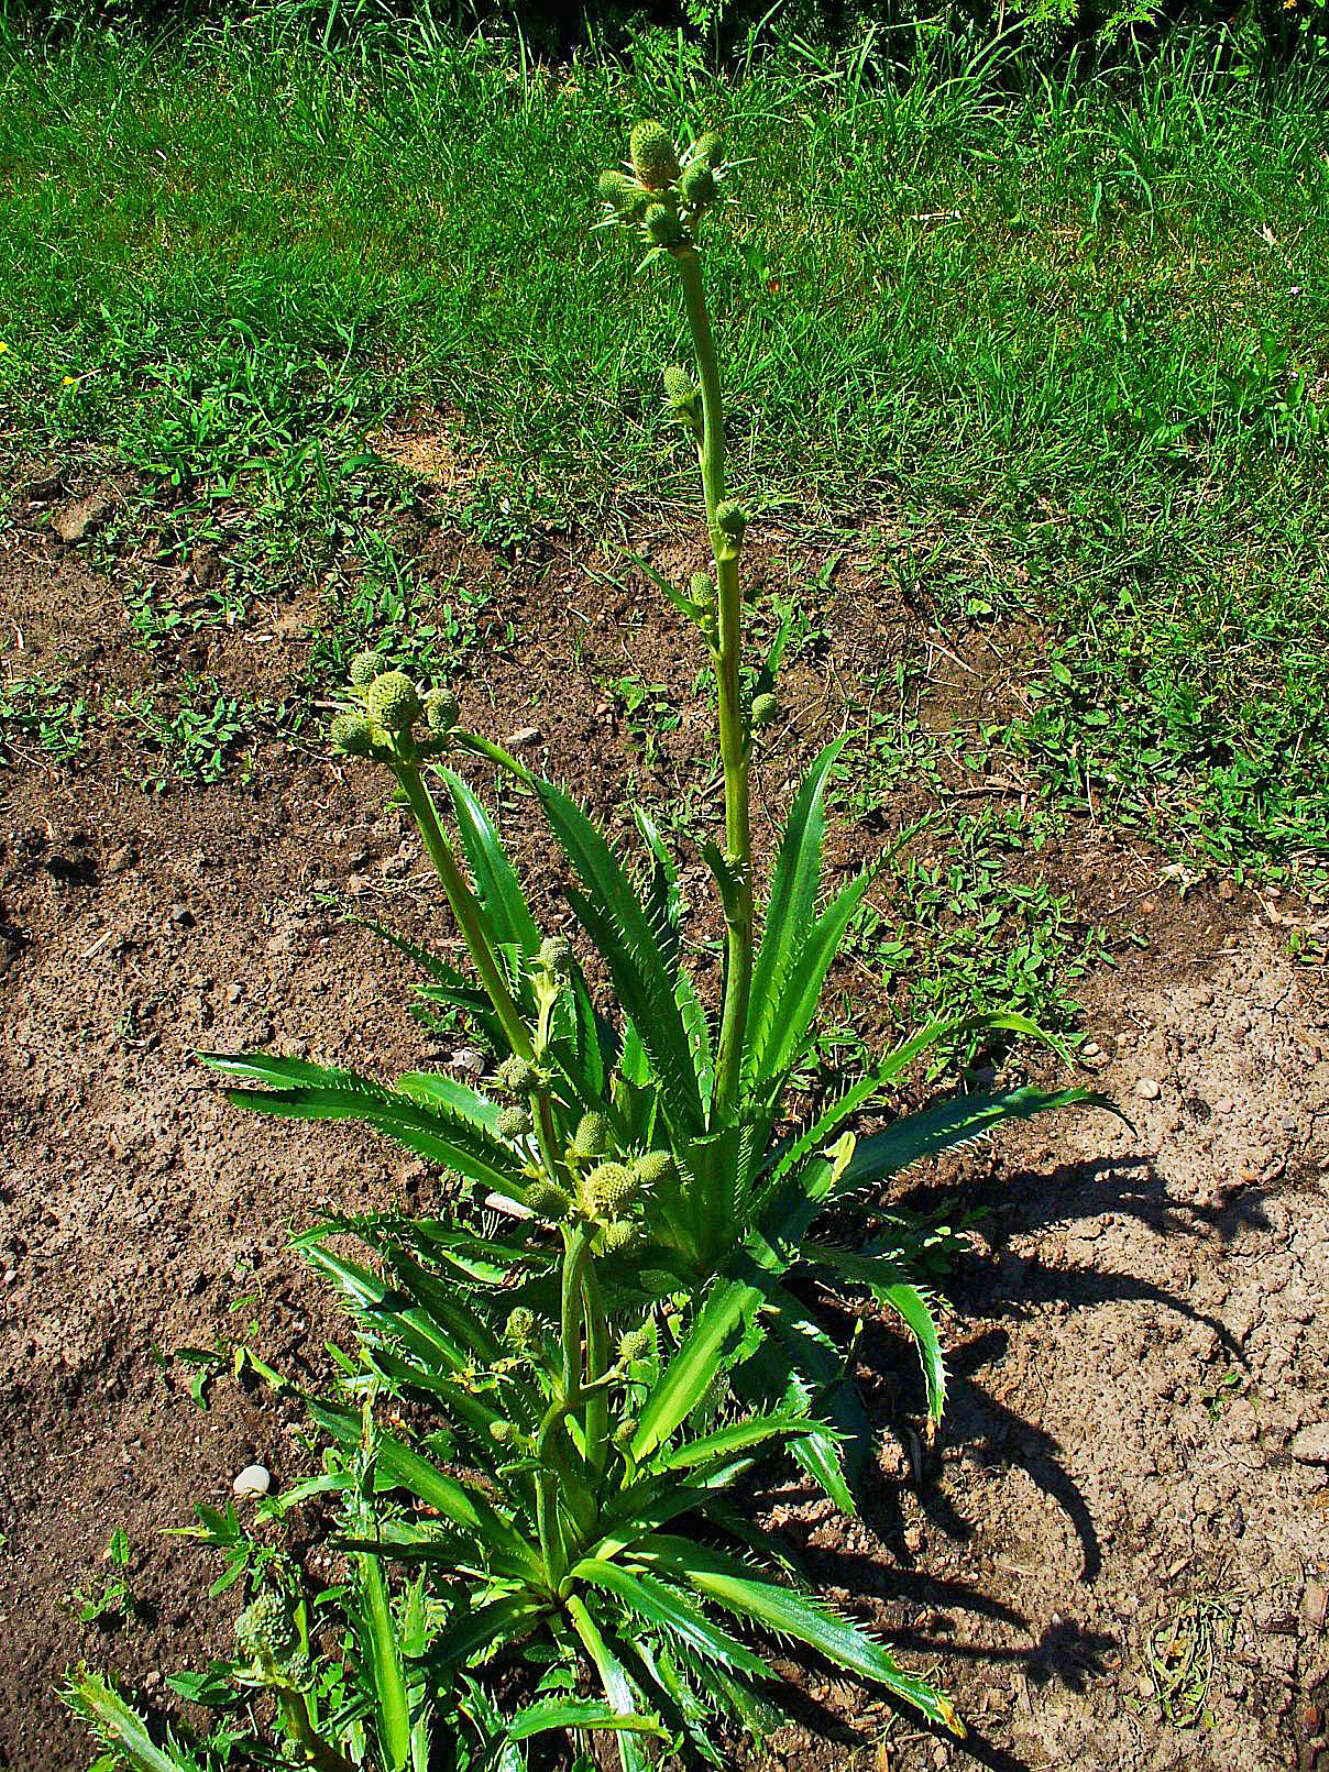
<point>663,228</point>
<point>556,955</point>
<point>517,1075</point>
<point>697,187</point>
<point>520,1327</point>
<point>636,1344</point>
<point>707,150</point>
<point>441,710</point>
<point>623,195</point>
<point>548,1200</point>
<point>298,1670</point>
<point>265,1629</point>
<point>393,701</point>
<point>501,1432</point>
<point>654,1169</point>
<point>765,709</point>
<point>731,519</point>
<point>701,588</point>
<point>681,393</point>
<point>352,735</point>
<point>619,1234</point>
<point>608,1189</point>
<point>652,154</point>
<point>513,1122</point>
<point>364,668</point>
<point>591,1138</point>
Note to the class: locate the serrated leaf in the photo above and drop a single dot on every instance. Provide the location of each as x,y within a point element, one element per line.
<point>382,1652</point>
<point>669,1610</point>
<point>502,902</point>
<point>790,1614</point>
<point>795,884</point>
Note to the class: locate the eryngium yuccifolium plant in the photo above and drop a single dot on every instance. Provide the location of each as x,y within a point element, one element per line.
<point>626,1161</point>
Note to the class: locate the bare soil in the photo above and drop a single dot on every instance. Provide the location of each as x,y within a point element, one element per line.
<point>1115,1555</point>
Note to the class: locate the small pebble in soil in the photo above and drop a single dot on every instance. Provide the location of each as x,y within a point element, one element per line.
<point>254,1479</point>
<point>527,735</point>
<point>1148,1089</point>
<point>1091,1049</point>
<point>182,916</point>
<point>1311,1445</point>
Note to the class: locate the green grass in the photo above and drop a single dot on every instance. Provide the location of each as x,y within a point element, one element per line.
<point>1058,350</point>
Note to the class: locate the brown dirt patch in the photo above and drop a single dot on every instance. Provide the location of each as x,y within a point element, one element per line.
<point>1095,1475</point>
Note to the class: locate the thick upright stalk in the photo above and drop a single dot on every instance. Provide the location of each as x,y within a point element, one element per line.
<point>464,909</point>
<point>727,656</point>
<point>553,1543</point>
<point>597,1363</point>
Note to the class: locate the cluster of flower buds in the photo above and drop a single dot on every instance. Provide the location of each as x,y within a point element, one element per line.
<point>392,720</point>
<point>269,1643</point>
<point>663,196</point>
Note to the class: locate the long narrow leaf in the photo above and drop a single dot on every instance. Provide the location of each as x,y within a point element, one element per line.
<point>614,918</point>
<point>496,886</point>
<point>665,1608</point>
<point>392,1711</point>
<point>800,993</point>
<point>297,1091</point>
<point>685,1380</point>
<point>790,1614</point>
<point>121,1728</point>
<point>951,1124</point>
<point>795,884</point>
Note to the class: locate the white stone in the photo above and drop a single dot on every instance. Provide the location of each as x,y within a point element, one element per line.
<point>1148,1089</point>
<point>254,1479</point>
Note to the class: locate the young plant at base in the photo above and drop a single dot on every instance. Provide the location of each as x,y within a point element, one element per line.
<point>708,1093</point>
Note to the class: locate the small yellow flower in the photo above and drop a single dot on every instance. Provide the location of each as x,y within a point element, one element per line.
<point>3,347</point>
<point>68,381</point>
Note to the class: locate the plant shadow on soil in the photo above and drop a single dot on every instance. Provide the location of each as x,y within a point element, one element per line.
<point>1134,1338</point>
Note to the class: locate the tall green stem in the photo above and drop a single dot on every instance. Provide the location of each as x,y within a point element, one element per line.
<point>465,909</point>
<point>597,1363</point>
<point>727,656</point>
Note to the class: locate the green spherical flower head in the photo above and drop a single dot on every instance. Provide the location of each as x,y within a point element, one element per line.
<point>298,1670</point>
<point>681,392</point>
<point>654,1169</point>
<point>608,1189</point>
<point>652,154</point>
<point>592,1136</point>
<point>548,1201</point>
<point>620,1234</point>
<point>707,150</point>
<point>662,227</point>
<point>765,709</point>
<point>556,955</point>
<point>393,701</point>
<point>626,1431</point>
<point>364,668</point>
<point>352,735</point>
<point>265,1629</point>
<point>517,1075</point>
<point>697,186</point>
<point>702,588</point>
<point>513,1122</point>
<point>637,1344</point>
<point>501,1432</point>
<point>520,1327</point>
<point>441,710</point>
<point>731,520</point>
<point>619,191</point>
